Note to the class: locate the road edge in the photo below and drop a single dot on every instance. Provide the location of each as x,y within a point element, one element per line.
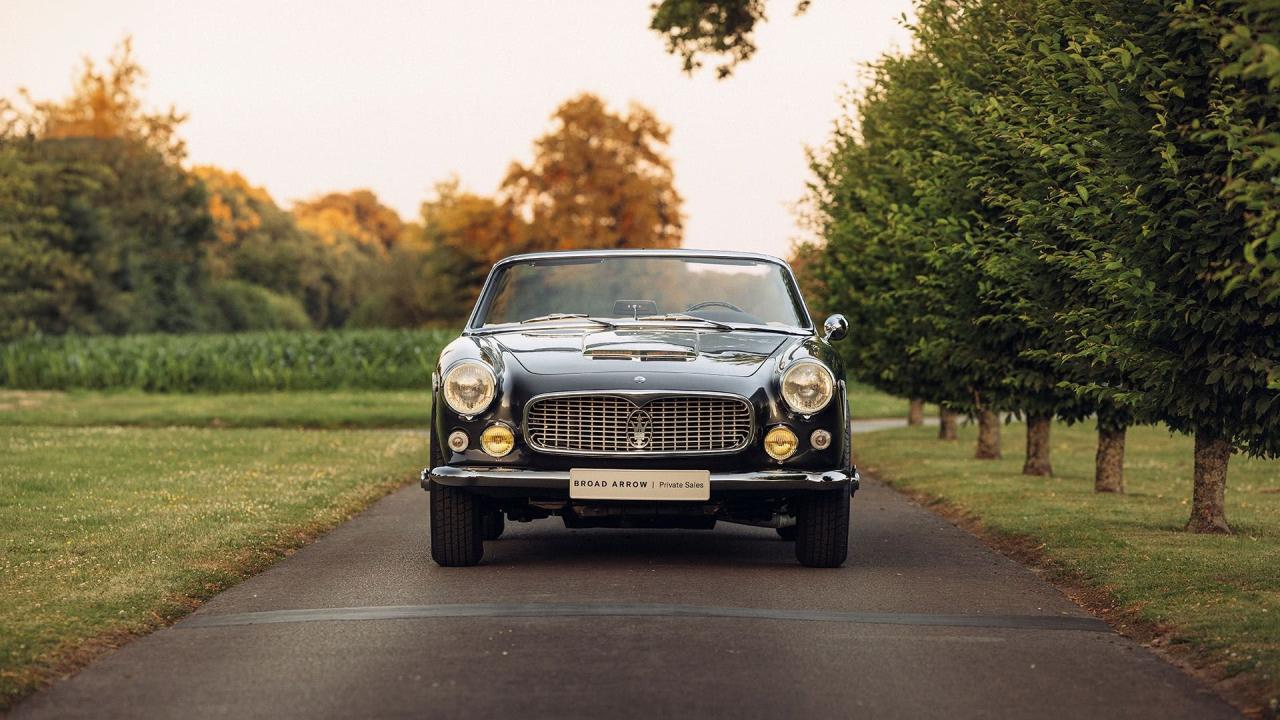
<point>69,659</point>
<point>1245,692</point>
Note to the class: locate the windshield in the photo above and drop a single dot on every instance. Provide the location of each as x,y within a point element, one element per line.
<point>630,288</point>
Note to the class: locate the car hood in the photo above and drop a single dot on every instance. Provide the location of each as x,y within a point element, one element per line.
<point>556,352</point>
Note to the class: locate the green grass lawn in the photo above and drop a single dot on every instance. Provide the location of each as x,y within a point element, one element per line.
<point>865,402</point>
<point>108,531</point>
<point>1219,595</point>
<point>310,409</point>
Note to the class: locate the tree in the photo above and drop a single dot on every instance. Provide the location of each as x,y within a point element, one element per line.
<point>263,263</point>
<point>41,276</point>
<point>1142,136</point>
<point>106,104</point>
<point>805,261</point>
<point>874,255</point>
<point>141,231</point>
<point>693,28</point>
<point>1092,154</point>
<point>434,276</point>
<point>1247,36</point>
<point>104,229</point>
<point>598,180</point>
<point>352,217</point>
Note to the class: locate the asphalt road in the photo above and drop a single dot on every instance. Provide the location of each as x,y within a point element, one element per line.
<point>922,621</point>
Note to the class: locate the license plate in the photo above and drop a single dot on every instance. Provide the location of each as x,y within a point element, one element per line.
<point>595,484</point>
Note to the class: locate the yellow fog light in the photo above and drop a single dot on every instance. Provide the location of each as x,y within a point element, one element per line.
<point>497,440</point>
<point>780,443</point>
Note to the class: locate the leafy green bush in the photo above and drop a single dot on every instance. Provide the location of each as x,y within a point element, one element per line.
<point>237,306</point>
<point>244,362</point>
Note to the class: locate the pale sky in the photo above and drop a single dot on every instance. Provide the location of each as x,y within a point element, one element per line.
<point>308,97</point>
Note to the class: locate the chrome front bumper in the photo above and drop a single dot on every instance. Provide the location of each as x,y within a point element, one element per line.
<point>519,478</point>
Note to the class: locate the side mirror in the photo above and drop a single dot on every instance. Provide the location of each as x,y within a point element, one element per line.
<point>835,328</point>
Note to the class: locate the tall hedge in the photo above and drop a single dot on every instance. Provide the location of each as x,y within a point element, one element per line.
<point>1069,208</point>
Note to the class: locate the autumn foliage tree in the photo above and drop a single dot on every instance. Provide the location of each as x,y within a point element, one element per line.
<point>103,228</point>
<point>598,180</point>
<point>106,104</point>
<point>357,216</point>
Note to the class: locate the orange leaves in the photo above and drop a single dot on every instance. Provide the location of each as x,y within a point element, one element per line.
<point>233,202</point>
<point>598,180</point>
<point>106,103</point>
<point>356,216</point>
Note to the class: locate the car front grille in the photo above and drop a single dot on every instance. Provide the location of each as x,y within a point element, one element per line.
<point>604,424</point>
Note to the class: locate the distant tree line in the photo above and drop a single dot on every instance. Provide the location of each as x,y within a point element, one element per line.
<point>104,228</point>
<point>1059,209</point>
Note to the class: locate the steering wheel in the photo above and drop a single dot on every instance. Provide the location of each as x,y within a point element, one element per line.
<point>715,303</point>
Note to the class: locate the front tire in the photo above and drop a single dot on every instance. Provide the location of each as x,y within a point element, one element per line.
<point>822,528</point>
<point>456,527</point>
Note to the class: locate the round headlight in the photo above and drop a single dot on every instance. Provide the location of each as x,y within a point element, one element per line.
<point>469,387</point>
<point>807,386</point>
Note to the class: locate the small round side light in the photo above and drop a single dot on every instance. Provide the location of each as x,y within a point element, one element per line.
<point>820,439</point>
<point>458,441</point>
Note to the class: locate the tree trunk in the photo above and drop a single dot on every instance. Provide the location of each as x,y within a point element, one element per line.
<point>1108,474</point>
<point>915,412</point>
<point>988,436</point>
<point>1208,497</point>
<point>946,424</point>
<point>1037,462</point>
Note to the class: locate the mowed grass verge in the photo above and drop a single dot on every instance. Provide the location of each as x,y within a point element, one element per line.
<point>109,532</point>
<point>1217,597</point>
<point>868,403</point>
<point>299,409</point>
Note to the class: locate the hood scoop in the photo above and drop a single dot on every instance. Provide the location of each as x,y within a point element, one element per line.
<point>641,346</point>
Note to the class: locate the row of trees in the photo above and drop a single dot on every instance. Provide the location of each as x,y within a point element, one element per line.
<point>104,228</point>
<point>1067,209</point>
<point>1059,209</point>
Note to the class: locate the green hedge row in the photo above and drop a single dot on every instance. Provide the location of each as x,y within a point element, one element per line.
<point>243,362</point>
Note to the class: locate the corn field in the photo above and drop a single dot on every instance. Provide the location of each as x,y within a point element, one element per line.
<point>242,362</point>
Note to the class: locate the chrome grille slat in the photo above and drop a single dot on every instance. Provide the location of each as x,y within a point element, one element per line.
<point>600,424</point>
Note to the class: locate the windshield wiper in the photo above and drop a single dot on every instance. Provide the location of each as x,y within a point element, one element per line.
<point>683,316</point>
<point>568,316</point>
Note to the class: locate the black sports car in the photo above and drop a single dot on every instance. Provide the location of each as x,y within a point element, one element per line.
<point>641,388</point>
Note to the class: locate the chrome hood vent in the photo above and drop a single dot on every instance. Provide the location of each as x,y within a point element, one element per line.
<point>635,353</point>
<point>624,345</point>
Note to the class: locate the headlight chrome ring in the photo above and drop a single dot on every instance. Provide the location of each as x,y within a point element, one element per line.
<point>807,386</point>
<point>469,387</point>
